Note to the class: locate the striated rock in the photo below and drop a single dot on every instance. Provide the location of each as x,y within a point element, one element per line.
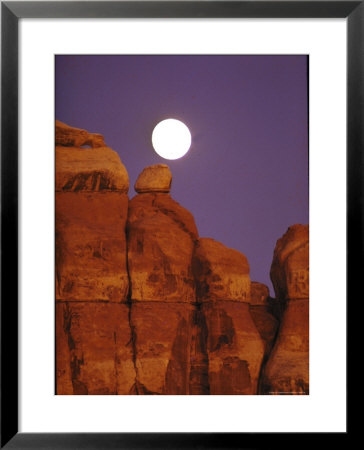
<point>287,370</point>
<point>234,347</point>
<point>91,212</point>
<point>93,334</point>
<point>93,349</point>
<point>157,178</point>
<point>76,137</point>
<point>91,246</point>
<point>87,169</point>
<point>160,247</point>
<point>83,169</point>
<point>221,273</point>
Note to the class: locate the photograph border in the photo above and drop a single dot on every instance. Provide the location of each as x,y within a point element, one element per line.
<point>11,12</point>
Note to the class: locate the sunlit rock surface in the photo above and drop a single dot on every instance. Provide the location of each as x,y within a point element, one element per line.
<point>160,246</point>
<point>157,178</point>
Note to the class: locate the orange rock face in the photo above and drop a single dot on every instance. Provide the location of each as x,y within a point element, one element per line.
<point>93,337</point>
<point>93,348</point>
<point>91,246</point>
<point>160,247</point>
<point>90,170</point>
<point>287,370</point>
<point>289,271</point>
<point>221,273</point>
<point>162,335</point>
<point>234,347</point>
<point>91,211</point>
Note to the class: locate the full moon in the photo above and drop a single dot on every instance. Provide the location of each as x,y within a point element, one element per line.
<point>171,139</point>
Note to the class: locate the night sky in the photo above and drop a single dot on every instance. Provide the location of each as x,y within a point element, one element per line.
<point>245,178</point>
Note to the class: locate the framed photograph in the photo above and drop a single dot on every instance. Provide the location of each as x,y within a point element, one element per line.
<point>181,213</point>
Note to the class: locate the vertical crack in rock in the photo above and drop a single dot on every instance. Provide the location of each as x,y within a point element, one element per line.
<point>135,388</point>
<point>262,388</point>
<point>116,364</point>
<point>79,388</point>
<point>199,361</point>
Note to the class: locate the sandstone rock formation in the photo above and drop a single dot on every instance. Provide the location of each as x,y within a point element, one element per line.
<point>234,347</point>
<point>160,245</point>
<point>157,178</point>
<point>94,354</point>
<point>161,237</point>
<point>76,137</point>
<point>144,306</point>
<point>93,349</point>
<point>91,246</point>
<point>287,370</point>
<point>222,273</point>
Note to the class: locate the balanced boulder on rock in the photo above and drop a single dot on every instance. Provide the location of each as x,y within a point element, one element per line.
<point>161,236</point>
<point>157,178</point>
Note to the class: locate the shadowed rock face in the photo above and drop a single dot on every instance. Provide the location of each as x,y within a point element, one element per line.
<point>259,294</point>
<point>234,346</point>
<point>287,370</point>
<point>261,312</point>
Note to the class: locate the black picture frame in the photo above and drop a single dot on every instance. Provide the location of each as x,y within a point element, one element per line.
<point>11,12</point>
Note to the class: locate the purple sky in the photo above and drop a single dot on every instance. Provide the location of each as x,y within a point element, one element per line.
<point>245,178</point>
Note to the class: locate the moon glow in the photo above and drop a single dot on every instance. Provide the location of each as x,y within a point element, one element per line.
<point>171,139</point>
